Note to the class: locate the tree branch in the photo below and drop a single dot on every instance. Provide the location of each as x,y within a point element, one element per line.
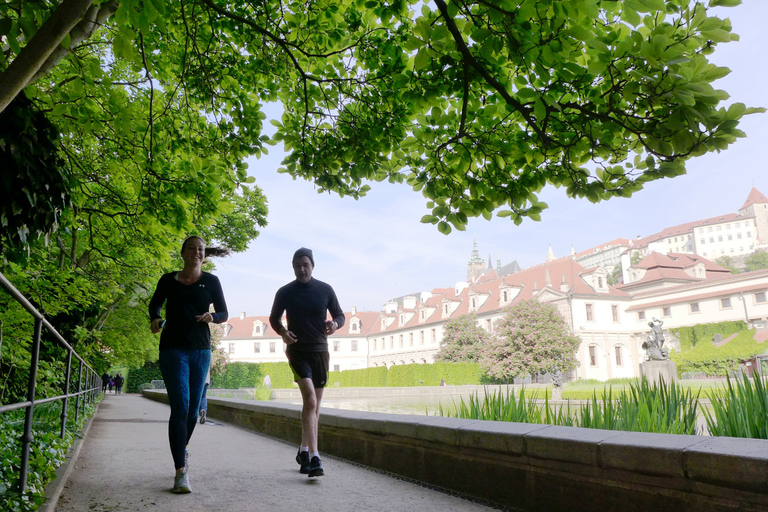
<point>26,64</point>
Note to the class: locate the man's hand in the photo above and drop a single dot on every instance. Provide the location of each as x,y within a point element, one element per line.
<point>289,338</point>
<point>330,326</point>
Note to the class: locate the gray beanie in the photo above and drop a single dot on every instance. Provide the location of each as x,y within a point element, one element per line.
<point>304,252</point>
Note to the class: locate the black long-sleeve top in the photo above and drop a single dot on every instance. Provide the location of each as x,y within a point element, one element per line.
<point>182,304</point>
<point>306,307</point>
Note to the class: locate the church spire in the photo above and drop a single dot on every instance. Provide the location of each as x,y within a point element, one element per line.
<point>476,265</point>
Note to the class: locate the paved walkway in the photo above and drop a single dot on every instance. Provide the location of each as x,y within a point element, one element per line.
<point>125,465</point>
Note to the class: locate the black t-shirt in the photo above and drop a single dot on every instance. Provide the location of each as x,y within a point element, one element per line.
<point>183,302</point>
<point>306,307</point>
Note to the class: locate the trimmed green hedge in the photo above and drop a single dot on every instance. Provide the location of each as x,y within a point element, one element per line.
<point>251,375</point>
<point>138,376</point>
<point>407,375</point>
<point>705,333</point>
<point>706,358</point>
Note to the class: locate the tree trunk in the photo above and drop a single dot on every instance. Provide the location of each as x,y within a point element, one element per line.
<point>36,52</point>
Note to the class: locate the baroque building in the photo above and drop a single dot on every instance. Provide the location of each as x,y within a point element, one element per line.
<point>671,282</point>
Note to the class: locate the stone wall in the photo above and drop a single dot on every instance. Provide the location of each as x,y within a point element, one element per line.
<point>531,467</point>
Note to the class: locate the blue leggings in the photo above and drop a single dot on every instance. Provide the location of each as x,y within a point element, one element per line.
<point>184,372</point>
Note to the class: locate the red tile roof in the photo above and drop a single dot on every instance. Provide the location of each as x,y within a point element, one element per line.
<point>754,197</point>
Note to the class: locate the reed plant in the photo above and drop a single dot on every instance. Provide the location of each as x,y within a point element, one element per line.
<point>741,411</point>
<point>507,406</point>
<point>643,407</point>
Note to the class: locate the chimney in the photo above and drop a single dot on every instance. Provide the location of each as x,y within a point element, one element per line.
<point>242,315</point>
<point>354,310</point>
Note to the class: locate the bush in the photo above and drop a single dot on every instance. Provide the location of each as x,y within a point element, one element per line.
<point>136,377</point>
<point>407,375</point>
<point>47,452</point>
<point>703,333</point>
<point>251,375</point>
<point>711,360</point>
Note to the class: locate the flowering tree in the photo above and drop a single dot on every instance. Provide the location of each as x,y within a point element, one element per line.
<point>219,357</point>
<point>462,339</point>
<point>531,338</point>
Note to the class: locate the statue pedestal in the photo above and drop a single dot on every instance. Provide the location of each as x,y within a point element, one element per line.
<point>653,370</point>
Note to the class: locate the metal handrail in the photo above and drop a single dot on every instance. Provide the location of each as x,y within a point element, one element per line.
<point>88,390</point>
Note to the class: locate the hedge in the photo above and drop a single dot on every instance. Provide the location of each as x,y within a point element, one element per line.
<point>408,375</point>
<point>138,376</point>
<point>712,360</point>
<point>705,333</point>
<point>251,375</point>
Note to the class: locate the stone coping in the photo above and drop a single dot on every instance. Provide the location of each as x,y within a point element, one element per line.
<point>543,467</point>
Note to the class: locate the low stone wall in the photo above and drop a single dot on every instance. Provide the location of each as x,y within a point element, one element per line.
<point>531,467</point>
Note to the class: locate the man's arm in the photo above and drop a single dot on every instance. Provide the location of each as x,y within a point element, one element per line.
<point>275,321</point>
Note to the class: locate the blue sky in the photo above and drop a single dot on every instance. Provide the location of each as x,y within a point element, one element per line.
<point>375,248</point>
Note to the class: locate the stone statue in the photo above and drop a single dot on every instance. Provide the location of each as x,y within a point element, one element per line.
<point>654,344</point>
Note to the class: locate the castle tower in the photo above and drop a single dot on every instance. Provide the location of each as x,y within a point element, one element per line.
<point>475,265</point>
<point>757,205</point>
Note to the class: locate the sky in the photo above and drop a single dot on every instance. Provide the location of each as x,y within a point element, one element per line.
<point>375,249</point>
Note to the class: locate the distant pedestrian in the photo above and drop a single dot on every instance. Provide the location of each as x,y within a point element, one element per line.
<point>442,382</point>
<point>104,382</point>
<point>185,343</point>
<point>119,380</point>
<point>267,381</point>
<point>306,303</point>
<point>111,385</point>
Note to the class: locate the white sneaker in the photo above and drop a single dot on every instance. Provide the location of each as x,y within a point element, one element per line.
<point>181,483</point>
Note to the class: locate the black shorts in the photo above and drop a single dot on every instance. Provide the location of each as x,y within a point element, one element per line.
<point>310,365</point>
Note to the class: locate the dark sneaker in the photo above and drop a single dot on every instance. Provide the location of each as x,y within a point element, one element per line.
<point>181,483</point>
<point>315,467</point>
<point>203,414</point>
<point>303,459</point>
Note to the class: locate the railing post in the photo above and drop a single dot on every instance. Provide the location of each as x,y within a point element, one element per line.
<point>79,389</point>
<point>65,401</point>
<point>26,438</point>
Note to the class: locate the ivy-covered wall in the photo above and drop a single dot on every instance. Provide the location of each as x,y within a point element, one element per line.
<point>699,354</point>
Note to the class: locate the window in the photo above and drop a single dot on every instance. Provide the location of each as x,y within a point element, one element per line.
<point>445,309</point>
<point>725,303</point>
<point>336,345</point>
<point>730,237</point>
<point>421,337</point>
<point>641,315</point>
<point>589,312</point>
<point>694,307</point>
<point>354,345</point>
<point>336,368</point>
<point>727,226</point>
<point>354,326</point>
<point>709,229</point>
<point>434,335</point>
<point>667,311</point>
<point>375,343</point>
<point>272,347</point>
<point>592,355</point>
<point>615,313</point>
<point>505,295</point>
<point>719,227</point>
<point>256,347</point>
<point>737,224</point>
<point>617,352</point>
<point>749,234</point>
<point>231,348</point>
<point>410,339</point>
<point>599,282</point>
<point>473,303</point>
<point>719,238</point>
<point>738,236</point>
<point>703,241</point>
<point>401,340</point>
<point>422,314</point>
<point>711,239</point>
<point>760,297</point>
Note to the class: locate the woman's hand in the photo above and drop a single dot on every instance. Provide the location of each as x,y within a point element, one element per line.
<point>205,317</point>
<point>156,325</point>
